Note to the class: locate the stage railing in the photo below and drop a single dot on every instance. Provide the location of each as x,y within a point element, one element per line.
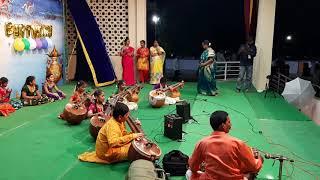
<point>188,68</point>
<point>227,70</point>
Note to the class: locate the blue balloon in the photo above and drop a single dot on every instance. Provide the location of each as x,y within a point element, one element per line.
<point>44,43</point>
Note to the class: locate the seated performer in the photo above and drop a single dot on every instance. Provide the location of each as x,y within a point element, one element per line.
<point>97,107</point>
<point>48,87</point>
<point>223,156</point>
<point>5,107</point>
<point>162,86</point>
<point>79,92</point>
<point>79,96</point>
<point>113,140</point>
<point>4,91</point>
<point>30,94</point>
<point>121,87</point>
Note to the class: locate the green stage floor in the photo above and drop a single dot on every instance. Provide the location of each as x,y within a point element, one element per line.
<point>35,145</point>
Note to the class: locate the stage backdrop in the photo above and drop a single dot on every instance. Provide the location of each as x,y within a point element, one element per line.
<point>40,22</point>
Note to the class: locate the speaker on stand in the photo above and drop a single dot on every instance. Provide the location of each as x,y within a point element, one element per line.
<point>183,110</point>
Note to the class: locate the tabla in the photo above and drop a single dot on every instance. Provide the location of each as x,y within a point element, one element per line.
<point>96,123</point>
<point>74,115</point>
<point>157,98</point>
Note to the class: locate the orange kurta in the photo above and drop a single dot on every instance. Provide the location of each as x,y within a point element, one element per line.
<point>112,144</point>
<point>225,157</point>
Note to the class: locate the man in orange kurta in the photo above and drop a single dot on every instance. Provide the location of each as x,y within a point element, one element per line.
<point>113,141</point>
<point>223,156</point>
<point>143,62</point>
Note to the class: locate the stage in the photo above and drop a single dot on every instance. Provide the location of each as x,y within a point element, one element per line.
<point>35,144</point>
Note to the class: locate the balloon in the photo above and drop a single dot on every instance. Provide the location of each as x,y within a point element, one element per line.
<point>50,44</point>
<point>26,44</point>
<point>18,45</point>
<point>33,44</point>
<point>39,43</point>
<point>44,43</point>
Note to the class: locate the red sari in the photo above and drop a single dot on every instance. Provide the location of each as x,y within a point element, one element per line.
<point>5,107</point>
<point>128,65</point>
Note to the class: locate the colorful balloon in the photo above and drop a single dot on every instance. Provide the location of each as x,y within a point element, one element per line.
<point>26,44</point>
<point>50,44</point>
<point>18,44</point>
<point>33,44</point>
<point>39,43</point>
<point>44,43</point>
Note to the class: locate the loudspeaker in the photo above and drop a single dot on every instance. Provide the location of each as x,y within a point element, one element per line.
<point>173,126</point>
<point>183,110</point>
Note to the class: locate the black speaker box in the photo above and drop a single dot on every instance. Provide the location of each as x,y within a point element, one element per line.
<point>183,110</point>
<point>173,126</point>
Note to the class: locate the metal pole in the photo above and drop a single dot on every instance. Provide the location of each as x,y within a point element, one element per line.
<point>155,31</point>
<point>280,169</point>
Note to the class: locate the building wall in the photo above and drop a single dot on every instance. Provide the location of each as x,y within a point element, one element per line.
<point>16,66</point>
<point>117,19</point>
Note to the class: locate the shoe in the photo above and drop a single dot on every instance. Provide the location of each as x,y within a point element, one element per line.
<point>238,90</point>
<point>247,90</point>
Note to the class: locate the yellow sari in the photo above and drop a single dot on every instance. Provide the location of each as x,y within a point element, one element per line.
<point>156,64</point>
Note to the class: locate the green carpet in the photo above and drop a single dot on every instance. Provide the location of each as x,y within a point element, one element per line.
<point>34,144</point>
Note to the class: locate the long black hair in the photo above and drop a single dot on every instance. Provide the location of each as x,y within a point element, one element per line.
<point>48,76</point>
<point>125,40</point>
<point>207,42</point>
<point>3,80</point>
<point>79,84</point>
<point>29,80</point>
<point>97,93</point>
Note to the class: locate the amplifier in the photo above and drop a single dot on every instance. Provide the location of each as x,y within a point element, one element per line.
<point>173,126</point>
<point>183,110</point>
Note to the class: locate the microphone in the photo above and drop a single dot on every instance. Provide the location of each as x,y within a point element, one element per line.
<point>277,156</point>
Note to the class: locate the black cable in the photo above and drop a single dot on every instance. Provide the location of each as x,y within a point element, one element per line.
<point>260,133</point>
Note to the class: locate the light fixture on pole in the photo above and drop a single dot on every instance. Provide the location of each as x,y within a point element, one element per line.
<point>155,20</point>
<point>289,38</point>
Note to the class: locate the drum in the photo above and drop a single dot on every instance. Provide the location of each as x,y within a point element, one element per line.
<point>142,148</point>
<point>96,123</point>
<point>157,98</point>
<point>74,115</point>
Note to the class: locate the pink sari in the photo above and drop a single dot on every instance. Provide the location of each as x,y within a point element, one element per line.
<point>127,65</point>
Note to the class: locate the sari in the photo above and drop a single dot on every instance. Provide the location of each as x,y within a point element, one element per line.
<point>5,107</point>
<point>143,64</point>
<point>4,95</point>
<point>128,65</point>
<point>206,75</point>
<point>156,64</point>
<point>51,94</point>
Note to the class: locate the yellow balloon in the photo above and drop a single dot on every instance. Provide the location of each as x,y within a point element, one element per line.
<point>18,45</point>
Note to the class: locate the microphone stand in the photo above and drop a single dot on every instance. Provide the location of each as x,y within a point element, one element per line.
<point>281,159</point>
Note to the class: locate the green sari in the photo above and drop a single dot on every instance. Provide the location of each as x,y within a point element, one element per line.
<point>206,75</point>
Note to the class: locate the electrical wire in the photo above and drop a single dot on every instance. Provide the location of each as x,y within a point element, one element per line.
<point>268,139</point>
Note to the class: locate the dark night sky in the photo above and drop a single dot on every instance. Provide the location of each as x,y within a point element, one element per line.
<point>185,24</point>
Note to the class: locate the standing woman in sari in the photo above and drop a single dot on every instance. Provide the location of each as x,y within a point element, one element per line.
<point>127,53</point>
<point>156,64</point>
<point>207,69</point>
<point>143,62</point>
